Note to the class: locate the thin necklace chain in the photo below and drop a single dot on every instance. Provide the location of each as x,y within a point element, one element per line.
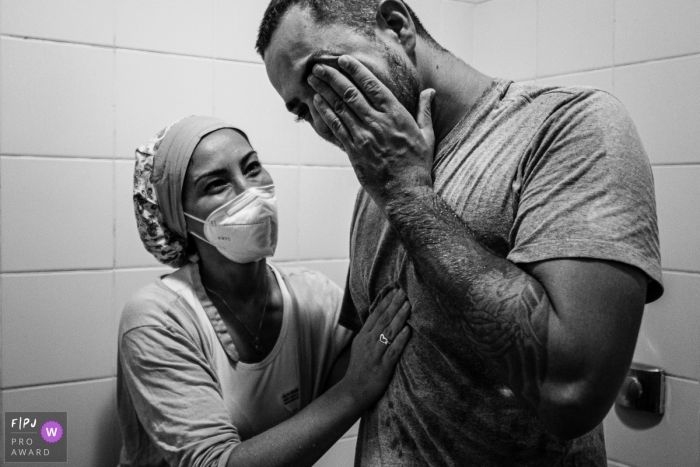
<point>256,337</point>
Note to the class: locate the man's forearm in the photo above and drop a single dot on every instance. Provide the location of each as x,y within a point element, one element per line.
<point>502,311</point>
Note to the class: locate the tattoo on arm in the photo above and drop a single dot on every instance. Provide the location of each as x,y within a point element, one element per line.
<point>502,311</point>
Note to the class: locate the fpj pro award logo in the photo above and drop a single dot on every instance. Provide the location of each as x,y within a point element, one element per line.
<point>36,437</point>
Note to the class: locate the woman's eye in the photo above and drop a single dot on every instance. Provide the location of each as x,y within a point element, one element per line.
<point>213,185</point>
<point>253,168</point>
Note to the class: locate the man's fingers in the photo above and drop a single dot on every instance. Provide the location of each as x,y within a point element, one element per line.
<point>378,95</point>
<point>425,116</point>
<point>343,90</point>
<point>425,119</point>
<point>339,107</point>
<point>331,120</point>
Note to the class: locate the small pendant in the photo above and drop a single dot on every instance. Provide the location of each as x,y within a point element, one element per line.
<point>258,347</point>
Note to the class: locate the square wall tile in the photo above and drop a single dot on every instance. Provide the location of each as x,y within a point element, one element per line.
<point>129,251</point>
<point>505,38</point>
<point>647,440</point>
<point>236,25</point>
<point>668,338</point>
<point>649,29</point>
<point>342,454</point>
<point>57,327</point>
<point>244,97</point>
<point>286,181</point>
<point>458,29</point>
<point>56,214</point>
<point>574,36</point>
<point>94,438</point>
<point>59,19</point>
<point>601,79</point>
<point>677,200</point>
<point>428,12</point>
<point>664,101</point>
<point>154,90</point>
<point>177,26</point>
<point>335,269</point>
<point>326,204</point>
<point>314,150</point>
<point>56,99</point>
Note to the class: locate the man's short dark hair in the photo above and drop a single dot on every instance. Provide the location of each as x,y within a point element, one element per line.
<point>358,14</point>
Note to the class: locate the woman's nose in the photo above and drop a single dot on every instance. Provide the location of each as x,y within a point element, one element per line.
<point>241,184</point>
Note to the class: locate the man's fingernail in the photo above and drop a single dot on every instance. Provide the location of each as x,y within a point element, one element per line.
<point>317,70</point>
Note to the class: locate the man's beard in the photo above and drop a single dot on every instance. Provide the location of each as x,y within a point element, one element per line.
<point>403,84</point>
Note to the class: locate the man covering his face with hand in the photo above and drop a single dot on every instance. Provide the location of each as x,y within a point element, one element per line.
<point>519,219</point>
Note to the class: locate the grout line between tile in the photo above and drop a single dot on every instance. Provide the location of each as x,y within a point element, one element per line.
<point>681,271</point>
<point>130,160</point>
<point>657,60</point>
<point>56,384</point>
<point>677,164</point>
<point>61,157</point>
<point>616,66</point>
<point>685,379</point>
<point>131,49</point>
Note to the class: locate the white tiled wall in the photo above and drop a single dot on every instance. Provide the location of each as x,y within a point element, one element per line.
<point>647,54</point>
<point>82,84</point>
<point>495,24</point>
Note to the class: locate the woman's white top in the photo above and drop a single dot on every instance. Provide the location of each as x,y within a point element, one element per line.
<point>185,398</point>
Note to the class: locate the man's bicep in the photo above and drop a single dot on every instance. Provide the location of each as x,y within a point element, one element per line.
<point>597,309</point>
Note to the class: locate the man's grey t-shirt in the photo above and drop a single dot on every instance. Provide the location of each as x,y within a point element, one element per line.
<point>536,173</point>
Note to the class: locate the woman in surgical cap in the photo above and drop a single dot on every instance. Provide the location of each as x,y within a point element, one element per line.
<point>230,360</point>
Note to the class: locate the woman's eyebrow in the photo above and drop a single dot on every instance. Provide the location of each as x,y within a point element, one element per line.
<point>246,158</point>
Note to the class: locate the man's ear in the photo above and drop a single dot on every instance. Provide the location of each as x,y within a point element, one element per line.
<point>393,18</point>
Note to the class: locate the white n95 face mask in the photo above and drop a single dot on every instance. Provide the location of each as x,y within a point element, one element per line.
<point>244,229</point>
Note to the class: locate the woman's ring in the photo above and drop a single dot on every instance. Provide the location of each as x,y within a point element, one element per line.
<point>384,340</point>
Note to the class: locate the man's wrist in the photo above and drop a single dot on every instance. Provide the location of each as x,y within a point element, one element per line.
<point>407,201</point>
